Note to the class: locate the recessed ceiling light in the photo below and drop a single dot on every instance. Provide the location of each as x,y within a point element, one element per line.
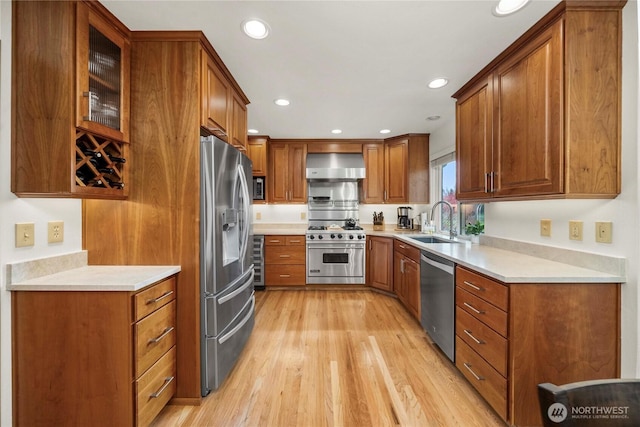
<point>254,131</point>
<point>507,7</point>
<point>438,83</point>
<point>255,28</point>
<point>336,131</point>
<point>385,131</point>
<point>282,102</point>
<point>433,118</point>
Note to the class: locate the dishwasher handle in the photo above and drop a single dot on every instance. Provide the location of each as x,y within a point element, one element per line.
<point>444,267</point>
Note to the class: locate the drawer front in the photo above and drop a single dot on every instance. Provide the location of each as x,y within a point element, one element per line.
<point>154,297</point>
<point>489,383</point>
<point>487,289</point>
<point>271,240</point>
<point>488,314</point>
<point>483,340</point>
<point>285,275</point>
<point>295,240</point>
<point>154,335</point>
<point>407,249</point>
<point>154,389</point>
<point>285,255</point>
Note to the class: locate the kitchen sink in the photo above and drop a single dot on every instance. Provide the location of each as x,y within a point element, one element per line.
<point>431,239</point>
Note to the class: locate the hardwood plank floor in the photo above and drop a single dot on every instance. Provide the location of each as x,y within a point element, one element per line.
<point>337,358</point>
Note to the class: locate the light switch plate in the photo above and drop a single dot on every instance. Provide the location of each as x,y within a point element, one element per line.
<point>575,230</point>
<point>56,232</point>
<point>604,232</point>
<point>545,227</point>
<point>25,234</point>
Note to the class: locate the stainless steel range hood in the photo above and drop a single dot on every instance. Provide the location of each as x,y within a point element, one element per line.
<point>335,166</point>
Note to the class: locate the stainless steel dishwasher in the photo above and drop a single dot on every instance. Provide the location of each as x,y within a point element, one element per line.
<point>437,301</point>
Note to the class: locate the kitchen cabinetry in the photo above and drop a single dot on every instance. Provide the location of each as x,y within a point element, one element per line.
<point>70,134</point>
<point>528,126</point>
<point>380,262</point>
<point>223,110</point>
<point>285,260</point>
<point>167,153</point>
<point>94,357</point>
<point>509,338</point>
<point>397,171</point>
<point>257,152</point>
<point>287,180</point>
<point>406,276</point>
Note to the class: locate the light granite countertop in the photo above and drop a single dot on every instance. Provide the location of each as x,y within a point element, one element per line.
<point>503,260</point>
<point>74,276</point>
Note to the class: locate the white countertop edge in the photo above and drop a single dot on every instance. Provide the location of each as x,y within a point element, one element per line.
<point>127,278</point>
<point>491,262</point>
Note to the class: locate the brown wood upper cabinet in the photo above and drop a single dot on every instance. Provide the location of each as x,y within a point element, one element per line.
<point>65,131</point>
<point>257,152</point>
<point>287,182</point>
<point>543,119</point>
<point>223,109</point>
<point>397,171</point>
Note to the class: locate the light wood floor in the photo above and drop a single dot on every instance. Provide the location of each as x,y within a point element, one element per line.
<point>337,358</point>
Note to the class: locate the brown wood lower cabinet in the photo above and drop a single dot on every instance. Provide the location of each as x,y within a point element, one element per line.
<point>285,260</point>
<point>98,358</point>
<point>406,276</point>
<point>380,262</point>
<point>522,335</point>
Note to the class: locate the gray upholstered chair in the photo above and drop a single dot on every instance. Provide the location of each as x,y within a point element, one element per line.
<point>598,403</point>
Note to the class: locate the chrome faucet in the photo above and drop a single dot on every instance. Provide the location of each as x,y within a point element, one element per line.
<point>433,210</point>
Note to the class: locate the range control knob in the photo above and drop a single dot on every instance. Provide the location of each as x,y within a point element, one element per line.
<point>333,236</point>
<point>320,237</point>
<point>351,236</point>
<point>311,237</point>
<point>360,236</point>
<point>339,236</point>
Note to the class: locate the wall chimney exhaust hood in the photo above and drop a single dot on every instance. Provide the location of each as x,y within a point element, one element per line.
<point>335,166</point>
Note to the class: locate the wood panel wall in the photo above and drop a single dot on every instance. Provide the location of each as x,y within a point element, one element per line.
<point>159,223</point>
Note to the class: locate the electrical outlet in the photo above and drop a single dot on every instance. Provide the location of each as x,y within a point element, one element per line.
<point>575,230</point>
<point>303,215</point>
<point>258,215</point>
<point>56,231</point>
<point>25,235</point>
<point>545,227</point>
<point>604,232</point>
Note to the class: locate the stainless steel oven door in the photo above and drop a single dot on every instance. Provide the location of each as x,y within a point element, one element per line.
<point>335,263</point>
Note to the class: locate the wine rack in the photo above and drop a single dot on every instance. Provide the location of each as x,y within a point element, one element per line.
<point>100,165</point>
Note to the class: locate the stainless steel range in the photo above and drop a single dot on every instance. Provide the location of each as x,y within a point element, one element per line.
<point>336,255</point>
<point>335,242</point>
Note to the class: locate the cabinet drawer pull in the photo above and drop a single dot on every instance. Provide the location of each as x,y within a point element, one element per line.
<point>161,297</point>
<point>285,256</point>
<point>466,365</point>
<point>473,308</point>
<point>294,241</point>
<point>274,241</point>
<point>285,275</point>
<point>402,246</point>
<point>166,332</point>
<point>471,285</point>
<point>472,337</point>
<point>167,381</point>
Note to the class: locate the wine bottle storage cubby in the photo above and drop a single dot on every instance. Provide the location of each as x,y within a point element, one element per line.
<point>100,162</point>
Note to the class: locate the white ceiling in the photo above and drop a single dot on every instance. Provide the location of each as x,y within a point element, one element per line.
<point>359,66</point>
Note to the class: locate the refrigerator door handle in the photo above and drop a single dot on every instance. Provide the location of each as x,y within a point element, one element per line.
<point>244,187</point>
<point>241,324</point>
<point>237,291</point>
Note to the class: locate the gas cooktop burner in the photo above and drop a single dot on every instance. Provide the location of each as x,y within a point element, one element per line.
<point>317,227</point>
<point>355,227</point>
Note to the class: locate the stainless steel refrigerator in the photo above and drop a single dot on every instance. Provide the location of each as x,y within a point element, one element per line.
<point>226,267</point>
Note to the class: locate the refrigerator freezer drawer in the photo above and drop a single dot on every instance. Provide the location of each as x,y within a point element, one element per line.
<point>221,309</point>
<point>222,352</point>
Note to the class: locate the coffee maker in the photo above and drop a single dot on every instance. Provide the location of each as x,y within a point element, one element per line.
<point>404,222</point>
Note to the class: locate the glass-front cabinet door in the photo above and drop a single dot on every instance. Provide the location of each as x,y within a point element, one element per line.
<point>103,62</point>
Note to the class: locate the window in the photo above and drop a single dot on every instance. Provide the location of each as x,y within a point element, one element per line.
<point>444,188</point>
